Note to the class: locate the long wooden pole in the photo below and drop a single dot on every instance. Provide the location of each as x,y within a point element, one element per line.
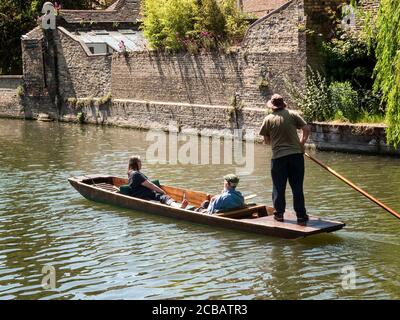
<point>355,187</point>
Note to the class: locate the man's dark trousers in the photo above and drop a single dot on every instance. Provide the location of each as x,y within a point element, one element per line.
<point>290,168</point>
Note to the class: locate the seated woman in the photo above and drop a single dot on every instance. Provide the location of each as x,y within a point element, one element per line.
<point>229,199</point>
<point>144,189</point>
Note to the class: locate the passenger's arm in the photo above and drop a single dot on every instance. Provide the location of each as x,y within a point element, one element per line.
<point>214,205</point>
<point>305,134</point>
<point>267,139</point>
<point>152,186</point>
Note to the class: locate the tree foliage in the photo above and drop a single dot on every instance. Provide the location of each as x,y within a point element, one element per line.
<point>387,69</point>
<point>321,100</point>
<point>314,100</point>
<point>188,24</point>
<point>18,17</point>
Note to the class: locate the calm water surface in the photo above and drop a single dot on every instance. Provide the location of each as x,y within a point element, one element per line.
<point>103,252</point>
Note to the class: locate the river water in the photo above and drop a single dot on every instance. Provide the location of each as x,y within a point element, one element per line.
<point>102,252</point>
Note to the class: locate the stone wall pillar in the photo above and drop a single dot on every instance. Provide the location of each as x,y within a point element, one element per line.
<point>33,66</point>
<point>38,75</point>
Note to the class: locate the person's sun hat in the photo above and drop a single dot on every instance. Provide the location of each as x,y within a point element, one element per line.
<point>276,102</point>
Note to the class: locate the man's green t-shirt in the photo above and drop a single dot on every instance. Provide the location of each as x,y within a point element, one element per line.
<point>281,126</point>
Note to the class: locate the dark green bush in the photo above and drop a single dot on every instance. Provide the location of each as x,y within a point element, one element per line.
<point>344,99</point>
<point>320,101</point>
<point>348,58</point>
<point>314,100</point>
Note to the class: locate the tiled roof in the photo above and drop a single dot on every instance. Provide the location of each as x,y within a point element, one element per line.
<point>134,40</point>
<point>119,11</point>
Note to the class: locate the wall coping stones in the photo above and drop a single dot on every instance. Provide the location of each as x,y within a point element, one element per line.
<point>13,77</point>
<point>352,138</point>
<point>10,82</point>
<point>166,103</point>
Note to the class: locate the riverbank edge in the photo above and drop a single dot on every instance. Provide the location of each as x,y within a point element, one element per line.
<point>204,120</point>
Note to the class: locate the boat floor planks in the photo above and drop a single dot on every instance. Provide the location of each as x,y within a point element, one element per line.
<point>256,218</point>
<point>314,225</point>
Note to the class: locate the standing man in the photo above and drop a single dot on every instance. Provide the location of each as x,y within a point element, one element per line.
<point>280,130</point>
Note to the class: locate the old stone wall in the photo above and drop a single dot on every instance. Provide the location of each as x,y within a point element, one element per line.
<point>10,104</point>
<point>33,65</point>
<point>369,139</point>
<point>58,67</point>
<point>277,32</point>
<point>273,51</point>
<point>371,5</point>
<point>79,73</point>
<point>220,120</point>
<point>157,115</point>
<point>209,78</point>
<point>10,82</point>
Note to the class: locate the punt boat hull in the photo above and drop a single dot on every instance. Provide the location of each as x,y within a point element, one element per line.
<point>254,219</point>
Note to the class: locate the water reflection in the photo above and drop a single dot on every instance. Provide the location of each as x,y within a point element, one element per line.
<point>102,252</point>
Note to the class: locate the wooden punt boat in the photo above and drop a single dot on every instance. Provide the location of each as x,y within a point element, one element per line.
<point>255,218</point>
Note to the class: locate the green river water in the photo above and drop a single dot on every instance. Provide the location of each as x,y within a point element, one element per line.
<point>103,252</point>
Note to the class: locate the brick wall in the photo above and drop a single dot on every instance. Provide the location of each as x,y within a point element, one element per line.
<point>371,5</point>
<point>10,104</point>
<point>80,74</point>
<point>209,78</point>
<point>367,5</point>
<point>57,67</point>
<point>273,50</point>
<point>160,115</point>
<point>276,32</point>
<point>33,66</point>
<point>369,139</point>
<point>10,82</point>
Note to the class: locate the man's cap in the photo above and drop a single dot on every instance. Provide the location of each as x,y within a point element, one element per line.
<point>276,102</point>
<point>232,179</point>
